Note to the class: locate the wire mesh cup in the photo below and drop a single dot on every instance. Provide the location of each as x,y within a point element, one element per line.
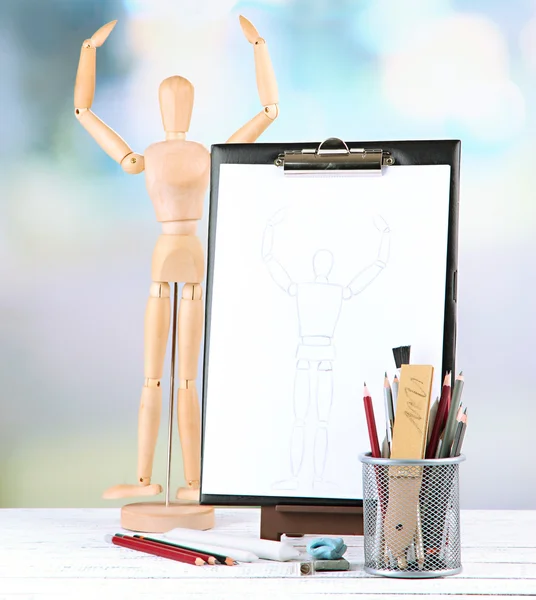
<point>411,514</point>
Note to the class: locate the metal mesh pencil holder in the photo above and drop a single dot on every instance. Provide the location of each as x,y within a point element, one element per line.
<point>411,517</point>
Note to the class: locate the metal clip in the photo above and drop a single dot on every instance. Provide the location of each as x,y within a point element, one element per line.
<point>334,155</point>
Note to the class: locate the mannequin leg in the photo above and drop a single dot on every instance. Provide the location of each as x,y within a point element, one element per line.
<point>189,413</point>
<point>302,395</point>
<point>324,399</point>
<point>157,316</point>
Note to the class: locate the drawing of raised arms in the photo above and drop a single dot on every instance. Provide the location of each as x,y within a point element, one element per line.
<point>367,275</point>
<point>360,282</point>
<point>275,268</point>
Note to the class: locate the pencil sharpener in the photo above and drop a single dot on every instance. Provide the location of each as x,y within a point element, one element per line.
<point>307,568</point>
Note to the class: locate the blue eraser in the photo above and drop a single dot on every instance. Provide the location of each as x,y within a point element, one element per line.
<point>327,548</point>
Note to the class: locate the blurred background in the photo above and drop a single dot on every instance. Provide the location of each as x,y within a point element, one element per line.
<point>76,233</point>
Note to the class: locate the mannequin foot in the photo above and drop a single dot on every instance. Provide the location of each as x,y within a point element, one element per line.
<point>191,494</point>
<point>126,490</point>
<point>286,484</point>
<point>322,485</point>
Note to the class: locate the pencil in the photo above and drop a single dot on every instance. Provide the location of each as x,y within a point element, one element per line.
<point>210,558</point>
<point>155,549</point>
<point>371,423</point>
<point>441,416</point>
<point>389,412</point>
<point>431,419</point>
<point>152,542</point>
<point>395,392</point>
<point>386,452</point>
<point>450,427</point>
<point>459,435</point>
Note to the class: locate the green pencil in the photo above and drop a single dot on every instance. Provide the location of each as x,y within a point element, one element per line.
<point>450,427</point>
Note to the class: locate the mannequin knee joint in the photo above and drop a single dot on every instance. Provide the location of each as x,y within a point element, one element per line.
<point>159,290</point>
<point>192,291</point>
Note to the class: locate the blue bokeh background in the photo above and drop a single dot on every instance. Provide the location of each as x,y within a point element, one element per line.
<point>76,233</point>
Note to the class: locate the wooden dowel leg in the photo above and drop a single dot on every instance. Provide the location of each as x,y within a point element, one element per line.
<point>157,317</point>
<point>189,413</point>
<point>171,391</point>
<point>190,432</point>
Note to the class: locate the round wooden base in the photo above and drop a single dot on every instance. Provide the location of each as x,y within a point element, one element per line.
<point>156,517</point>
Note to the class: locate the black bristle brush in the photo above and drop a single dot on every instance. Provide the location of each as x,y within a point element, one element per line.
<point>401,355</point>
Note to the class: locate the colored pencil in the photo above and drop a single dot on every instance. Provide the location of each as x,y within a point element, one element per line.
<point>155,549</point>
<point>439,423</point>
<point>156,543</point>
<point>431,419</point>
<point>459,435</point>
<point>210,558</point>
<point>450,427</point>
<point>371,423</point>
<point>389,412</point>
<point>386,451</point>
<point>395,392</point>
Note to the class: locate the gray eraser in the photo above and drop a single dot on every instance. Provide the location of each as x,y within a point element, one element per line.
<point>341,564</point>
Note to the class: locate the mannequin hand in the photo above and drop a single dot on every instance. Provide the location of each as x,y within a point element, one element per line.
<point>100,36</point>
<point>266,81</point>
<point>252,35</point>
<point>381,224</point>
<point>84,87</point>
<point>278,217</point>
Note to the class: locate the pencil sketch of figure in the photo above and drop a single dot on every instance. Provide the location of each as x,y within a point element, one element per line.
<point>318,304</point>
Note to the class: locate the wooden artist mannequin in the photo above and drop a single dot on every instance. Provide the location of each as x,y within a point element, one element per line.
<point>177,177</point>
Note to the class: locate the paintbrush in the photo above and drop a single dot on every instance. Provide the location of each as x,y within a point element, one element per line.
<point>401,356</point>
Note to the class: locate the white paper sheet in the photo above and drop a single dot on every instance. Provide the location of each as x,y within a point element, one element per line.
<point>316,279</point>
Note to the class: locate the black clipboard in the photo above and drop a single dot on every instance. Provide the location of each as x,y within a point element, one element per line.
<point>360,158</point>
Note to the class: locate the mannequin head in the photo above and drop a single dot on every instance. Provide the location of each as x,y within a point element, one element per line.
<point>176,96</point>
<point>322,264</point>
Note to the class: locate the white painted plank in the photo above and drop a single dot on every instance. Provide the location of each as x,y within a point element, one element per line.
<point>50,552</point>
<point>75,591</point>
<point>499,528</point>
<point>277,588</point>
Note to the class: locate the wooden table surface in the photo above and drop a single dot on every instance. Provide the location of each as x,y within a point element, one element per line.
<point>61,553</point>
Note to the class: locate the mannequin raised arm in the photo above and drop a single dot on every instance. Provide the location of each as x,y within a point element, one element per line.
<point>266,85</point>
<point>84,91</point>
<point>276,269</point>
<point>365,277</point>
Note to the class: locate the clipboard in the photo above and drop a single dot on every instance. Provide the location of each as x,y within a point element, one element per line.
<point>255,355</point>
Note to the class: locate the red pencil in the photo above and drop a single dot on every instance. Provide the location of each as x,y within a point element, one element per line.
<point>156,549</point>
<point>208,557</point>
<point>371,424</point>
<point>441,418</point>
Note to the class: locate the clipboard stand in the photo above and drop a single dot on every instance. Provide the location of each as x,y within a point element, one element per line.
<point>301,515</point>
<point>298,520</point>
<point>294,520</point>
